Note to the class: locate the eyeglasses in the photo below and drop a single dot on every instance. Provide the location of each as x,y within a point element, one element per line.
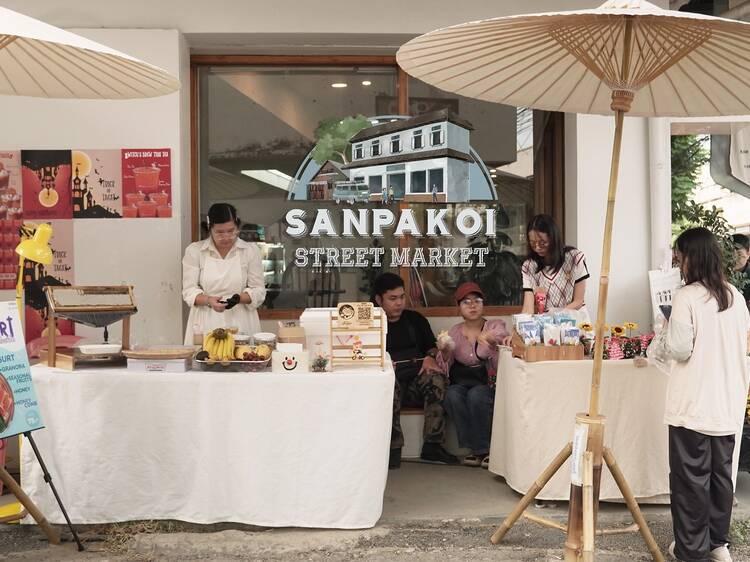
<point>538,243</point>
<point>469,302</point>
<point>225,233</point>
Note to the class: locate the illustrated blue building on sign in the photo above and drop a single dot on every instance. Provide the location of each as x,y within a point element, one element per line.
<point>421,159</point>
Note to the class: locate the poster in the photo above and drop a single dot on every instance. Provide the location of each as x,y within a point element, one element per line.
<point>19,409</point>
<point>36,276</point>
<point>45,175</point>
<point>146,183</point>
<point>10,185</point>
<point>96,184</point>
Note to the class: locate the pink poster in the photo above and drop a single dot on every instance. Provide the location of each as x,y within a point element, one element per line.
<point>10,185</point>
<point>45,175</point>
<point>36,276</point>
<point>146,182</point>
<point>96,184</point>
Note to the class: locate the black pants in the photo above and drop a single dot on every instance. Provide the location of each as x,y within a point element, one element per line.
<point>700,481</point>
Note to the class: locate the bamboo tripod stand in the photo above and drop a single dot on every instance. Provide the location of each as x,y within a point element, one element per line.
<point>584,496</point>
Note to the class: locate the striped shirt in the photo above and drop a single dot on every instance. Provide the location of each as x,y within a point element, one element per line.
<point>559,285</point>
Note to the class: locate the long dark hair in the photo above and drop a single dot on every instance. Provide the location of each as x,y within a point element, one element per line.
<point>556,249</point>
<point>219,213</point>
<point>704,264</point>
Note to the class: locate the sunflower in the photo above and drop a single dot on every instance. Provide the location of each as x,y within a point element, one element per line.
<point>586,327</point>
<point>630,325</point>
<point>618,331</point>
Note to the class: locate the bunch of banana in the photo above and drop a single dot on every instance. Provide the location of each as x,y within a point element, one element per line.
<point>219,344</point>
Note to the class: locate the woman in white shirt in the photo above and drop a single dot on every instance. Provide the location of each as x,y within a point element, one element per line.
<point>222,278</point>
<point>559,271</point>
<point>706,342</point>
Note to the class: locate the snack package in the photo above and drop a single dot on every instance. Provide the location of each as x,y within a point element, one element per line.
<point>518,318</point>
<point>530,332</point>
<point>551,334</point>
<point>543,319</point>
<point>571,335</point>
<point>565,318</point>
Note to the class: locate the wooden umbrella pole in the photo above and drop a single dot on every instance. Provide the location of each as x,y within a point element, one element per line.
<point>621,101</point>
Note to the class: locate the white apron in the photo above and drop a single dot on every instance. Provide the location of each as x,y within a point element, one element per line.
<point>222,278</point>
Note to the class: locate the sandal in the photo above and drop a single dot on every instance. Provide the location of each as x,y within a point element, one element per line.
<point>472,460</point>
<point>486,462</point>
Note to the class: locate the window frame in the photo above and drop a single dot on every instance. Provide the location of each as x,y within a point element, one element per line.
<point>417,134</point>
<point>440,129</point>
<point>373,144</point>
<point>358,153</point>
<point>551,143</point>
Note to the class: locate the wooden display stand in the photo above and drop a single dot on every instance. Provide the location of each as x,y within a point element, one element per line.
<point>96,306</point>
<point>534,353</point>
<point>365,357</point>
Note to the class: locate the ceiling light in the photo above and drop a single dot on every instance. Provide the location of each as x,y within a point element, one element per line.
<point>493,170</point>
<point>366,83</point>
<point>339,85</point>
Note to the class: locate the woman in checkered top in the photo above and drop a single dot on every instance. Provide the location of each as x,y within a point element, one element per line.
<point>557,269</point>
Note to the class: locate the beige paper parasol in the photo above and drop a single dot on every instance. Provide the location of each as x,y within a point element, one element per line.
<point>40,60</point>
<point>626,56</point>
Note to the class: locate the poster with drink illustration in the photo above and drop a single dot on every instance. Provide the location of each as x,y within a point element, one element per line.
<point>45,175</point>
<point>146,183</point>
<point>36,276</point>
<point>96,184</point>
<point>10,185</point>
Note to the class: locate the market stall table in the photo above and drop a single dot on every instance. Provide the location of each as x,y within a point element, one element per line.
<point>534,415</point>
<point>304,450</point>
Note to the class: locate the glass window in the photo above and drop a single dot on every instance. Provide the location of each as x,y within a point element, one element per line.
<point>375,148</point>
<point>500,178</point>
<point>395,144</point>
<point>436,135</point>
<point>418,182</point>
<point>376,185</point>
<point>358,152</point>
<point>436,180</point>
<point>416,140</point>
<point>258,126</point>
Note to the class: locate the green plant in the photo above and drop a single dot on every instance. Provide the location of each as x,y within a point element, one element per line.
<point>692,214</point>
<point>333,136</point>
<point>689,154</point>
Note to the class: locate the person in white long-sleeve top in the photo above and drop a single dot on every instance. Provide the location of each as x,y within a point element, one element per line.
<point>706,343</point>
<point>222,278</point>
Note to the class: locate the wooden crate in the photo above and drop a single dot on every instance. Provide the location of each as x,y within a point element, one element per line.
<point>533,353</point>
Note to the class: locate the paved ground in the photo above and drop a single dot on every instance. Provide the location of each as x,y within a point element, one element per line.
<point>429,513</point>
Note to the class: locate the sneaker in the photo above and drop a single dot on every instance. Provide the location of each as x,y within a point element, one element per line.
<point>435,454</point>
<point>394,460</point>
<point>720,554</point>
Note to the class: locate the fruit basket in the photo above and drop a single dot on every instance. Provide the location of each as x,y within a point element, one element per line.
<point>231,366</point>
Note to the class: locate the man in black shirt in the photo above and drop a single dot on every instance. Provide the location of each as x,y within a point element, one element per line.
<point>419,380</point>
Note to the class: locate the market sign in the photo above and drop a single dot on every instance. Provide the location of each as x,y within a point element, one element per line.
<point>19,409</point>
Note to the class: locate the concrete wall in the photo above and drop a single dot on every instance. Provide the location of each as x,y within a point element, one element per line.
<point>588,154</point>
<point>144,252</point>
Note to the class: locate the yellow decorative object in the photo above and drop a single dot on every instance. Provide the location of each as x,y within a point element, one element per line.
<point>618,331</point>
<point>586,327</point>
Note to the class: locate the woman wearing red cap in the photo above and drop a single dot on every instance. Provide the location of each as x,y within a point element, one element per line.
<point>468,353</point>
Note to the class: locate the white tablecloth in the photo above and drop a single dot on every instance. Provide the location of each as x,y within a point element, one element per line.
<point>535,408</point>
<point>307,450</point>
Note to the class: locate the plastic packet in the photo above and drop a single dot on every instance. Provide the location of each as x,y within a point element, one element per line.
<point>551,334</point>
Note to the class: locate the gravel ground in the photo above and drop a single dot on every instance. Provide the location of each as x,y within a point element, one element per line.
<point>416,541</point>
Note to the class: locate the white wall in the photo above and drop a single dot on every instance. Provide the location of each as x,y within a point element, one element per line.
<point>142,252</point>
<point>587,165</point>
